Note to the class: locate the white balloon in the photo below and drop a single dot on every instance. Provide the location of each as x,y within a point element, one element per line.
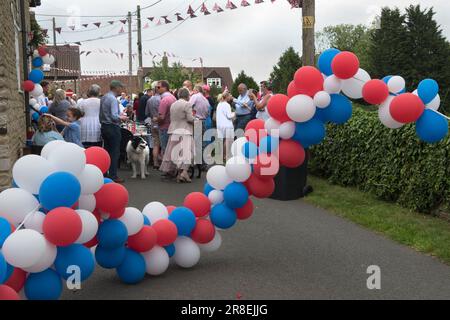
<point>46,59</point>
<point>287,130</point>
<point>156,261</point>
<point>155,211</point>
<point>89,227</point>
<point>322,99</point>
<point>217,177</point>
<point>50,147</point>
<point>301,108</point>
<point>91,179</point>
<point>87,202</point>
<point>46,260</point>
<point>353,87</point>
<point>238,169</point>
<point>35,221</point>
<point>187,252</point>
<point>271,125</point>
<point>68,157</point>
<point>24,248</point>
<point>396,84</point>
<point>385,117</point>
<point>332,84</point>
<point>30,171</point>
<point>215,197</point>
<point>37,92</point>
<point>133,219</point>
<point>214,245</point>
<point>36,53</point>
<point>32,102</point>
<point>238,144</point>
<point>16,204</point>
<point>435,103</point>
<point>52,59</point>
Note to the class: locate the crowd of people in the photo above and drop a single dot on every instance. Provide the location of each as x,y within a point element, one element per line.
<point>170,114</point>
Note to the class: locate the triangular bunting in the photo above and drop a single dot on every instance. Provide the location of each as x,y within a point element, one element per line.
<point>192,16</point>
<point>151,18</point>
<point>146,26</point>
<point>206,12</point>
<point>111,22</point>
<point>71,28</point>
<point>259,1</point>
<point>88,53</point>
<point>203,8</point>
<point>190,11</point>
<point>78,43</point>
<point>166,21</point>
<point>244,3</point>
<point>85,25</point>
<point>123,21</point>
<point>98,24</point>
<point>159,22</point>
<point>230,5</point>
<point>122,30</point>
<point>179,17</point>
<point>58,30</point>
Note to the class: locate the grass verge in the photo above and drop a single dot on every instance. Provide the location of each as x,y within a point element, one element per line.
<point>424,233</point>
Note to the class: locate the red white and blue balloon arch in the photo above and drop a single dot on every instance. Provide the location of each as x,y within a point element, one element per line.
<point>61,212</point>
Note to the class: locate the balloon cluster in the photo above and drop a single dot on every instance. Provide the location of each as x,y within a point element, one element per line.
<point>40,58</point>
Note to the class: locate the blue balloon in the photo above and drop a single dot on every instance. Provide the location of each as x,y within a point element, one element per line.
<point>386,79</point>
<point>9,272</point>
<point>310,132</point>
<point>340,109</point>
<point>250,150</point>
<point>3,269</point>
<point>112,234</point>
<point>207,189</point>
<point>14,184</point>
<point>321,115</point>
<point>38,62</point>
<point>36,76</point>
<point>132,269</point>
<point>110,258</point>
<point>222,216</point>
<point>125,103</point>
<point>235,195</point>
<point>60,189</point>
<point>74,255</point>
<point>325,60</point>
<point>170,250</point>
<point>146,221</point>
<point>428,90</point>
<point>35,116</point>
<point>107,180</point>
<point>45,285</point>
<point>431,127</point>
<point>44,109</point>
<point>184,219</point>
<point>269,144</point>
<point>5,230</point>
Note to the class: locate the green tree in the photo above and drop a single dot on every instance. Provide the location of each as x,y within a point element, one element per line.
<point>175,74</point>
<point>283,72</point>
<point>247,80</point>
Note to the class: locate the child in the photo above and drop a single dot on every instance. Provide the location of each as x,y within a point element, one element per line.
<point>72,130</point>
<point>46,132</point>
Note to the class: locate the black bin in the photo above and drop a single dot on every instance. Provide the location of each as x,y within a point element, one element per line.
<point>290,183</point>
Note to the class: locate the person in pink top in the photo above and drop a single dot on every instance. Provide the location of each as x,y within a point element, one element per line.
<point>167,99</point>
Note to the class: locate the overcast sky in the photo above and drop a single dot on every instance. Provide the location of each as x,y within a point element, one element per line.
<point>250,38</point>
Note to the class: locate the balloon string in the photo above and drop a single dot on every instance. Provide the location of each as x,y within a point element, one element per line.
<point>26,218</point>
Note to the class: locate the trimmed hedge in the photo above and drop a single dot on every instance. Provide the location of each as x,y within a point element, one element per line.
<point>392,164</point>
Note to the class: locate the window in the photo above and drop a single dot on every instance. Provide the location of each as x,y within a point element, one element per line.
<point>214,82</point>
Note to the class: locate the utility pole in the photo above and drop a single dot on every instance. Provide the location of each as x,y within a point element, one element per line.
<point>130,52</point>
<point>308,22</point>
<point>54,44</point>
<point>139,44</point>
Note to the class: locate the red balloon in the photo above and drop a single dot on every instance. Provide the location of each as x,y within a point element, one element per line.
<point>42,51</point>
<point>144,240</point>
<point>62,226</point>
<point>375,91</point>
<point>92,243</point>
<point>260,188</point>
<point>277,107</point>
<point>246,211</point>
<point>166,232</point>
<point>308,80</point>
<point>291,154</point>
<point>292,90</point>
<point>198,202</point>
<point>266,166</point>
<point>345,65</point>
<point>203,232</point>
<point>170,209</point>
<point>17,279</point>
<point>28,86</point>
<point>8,293</point>
<point>98,157</point>
<point>112,198</point>
<point>97,215</point>
<point>255,131</point>
<point>406,108</point>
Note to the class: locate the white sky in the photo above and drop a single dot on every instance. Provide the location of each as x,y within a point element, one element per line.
<point>250,38</point>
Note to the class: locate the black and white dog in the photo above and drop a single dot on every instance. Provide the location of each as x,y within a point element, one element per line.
<point>138,154</point>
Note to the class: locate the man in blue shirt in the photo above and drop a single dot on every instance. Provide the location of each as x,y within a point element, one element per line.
<point>243,108</point>
<point>110,119</point>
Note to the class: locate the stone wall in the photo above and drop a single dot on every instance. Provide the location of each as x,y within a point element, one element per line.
<point>12,112</point>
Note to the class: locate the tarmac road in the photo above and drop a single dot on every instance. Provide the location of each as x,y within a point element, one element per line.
<point>287,250</point>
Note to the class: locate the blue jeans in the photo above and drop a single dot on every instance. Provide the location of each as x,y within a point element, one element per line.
<point>242,121</point>
<point>163,138</point>
<point>112,138</point>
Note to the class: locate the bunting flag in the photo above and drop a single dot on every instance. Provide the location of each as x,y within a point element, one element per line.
<point>72,28</point>
<point>179,17</point>
<point>88,53</point>
<point>78,43</point>
<point>122,30</point>
<point>244,3</point>
<point>296,3</point>
<point>190,11</point>
<point>151,18</point>
<point>206,12</point>
<point>166,21</point>
<point>230,5</point>
<point>259,1</point>
<point>58,30</point>
<point>45,32</point>
<point>216,7</point>
<point>203,8</point>
<point>159,22</point>
<point>85,25</point>
<point>111,22</point>
<point>146,26</point>
<point>192,16</point>
<point>123,21</point>
<point>98,24</point>
<point>81,53</point>
<point>121,56</point>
